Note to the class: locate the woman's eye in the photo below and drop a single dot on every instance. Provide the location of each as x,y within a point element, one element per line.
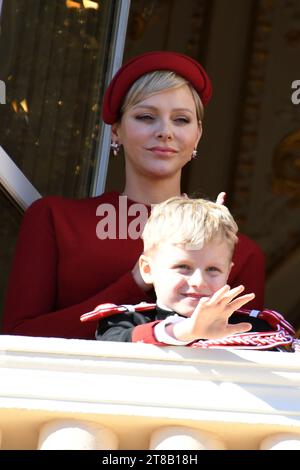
<point>182,120</point>
<point>144,117</point>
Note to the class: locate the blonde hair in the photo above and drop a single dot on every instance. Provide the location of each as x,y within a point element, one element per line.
<point>155,82</point>
<point>189,222</point>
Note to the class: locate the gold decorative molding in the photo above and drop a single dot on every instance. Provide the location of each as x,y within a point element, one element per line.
<point>141,12</point>
<point>286,168</point>
<point>196,43</point>
<point>252,108</point>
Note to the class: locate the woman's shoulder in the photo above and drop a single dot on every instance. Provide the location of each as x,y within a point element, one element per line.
<point>54,202</point>
<point>247,246</point>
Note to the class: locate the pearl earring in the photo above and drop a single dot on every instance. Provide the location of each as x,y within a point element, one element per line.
<point>194,153</point>
<point>115,148</point>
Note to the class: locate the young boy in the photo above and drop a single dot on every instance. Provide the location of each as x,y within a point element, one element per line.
<point>188,247</point>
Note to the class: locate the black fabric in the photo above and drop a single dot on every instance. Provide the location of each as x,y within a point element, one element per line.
<point>119,327</point>
<point>257,323</point>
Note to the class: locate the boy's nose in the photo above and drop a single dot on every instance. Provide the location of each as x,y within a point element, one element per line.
<point>197,279</point>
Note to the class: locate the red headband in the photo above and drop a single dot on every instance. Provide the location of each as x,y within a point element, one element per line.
<point>181,64</point>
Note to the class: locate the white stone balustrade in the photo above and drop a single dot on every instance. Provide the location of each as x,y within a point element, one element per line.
<point>76,394</point>
<point>281,441</point>
<point>76,435</point>
<point>182,438</point>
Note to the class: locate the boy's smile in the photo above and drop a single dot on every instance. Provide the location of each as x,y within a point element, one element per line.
<point>182,276</point>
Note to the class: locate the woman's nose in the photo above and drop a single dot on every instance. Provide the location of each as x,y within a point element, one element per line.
<point>164,131</point>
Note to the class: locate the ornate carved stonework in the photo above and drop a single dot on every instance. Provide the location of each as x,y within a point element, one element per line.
<point>286,168</point>
<point>266,186</point>
<point>249,129</point>
<point>266,198</point>
<point>154,24</point>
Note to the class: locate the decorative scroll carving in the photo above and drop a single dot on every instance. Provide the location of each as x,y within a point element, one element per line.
<point>266,195</point>
<point>165,18</point>
<point>286,168</point>
<point>140,14</point>
<point>252,109</point>
<point>195,42</point>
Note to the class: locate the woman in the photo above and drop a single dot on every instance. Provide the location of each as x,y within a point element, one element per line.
<point>72,255</point>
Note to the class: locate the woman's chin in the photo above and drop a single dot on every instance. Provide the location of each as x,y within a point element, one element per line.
<point>160,172</point>
<point>163,170</point>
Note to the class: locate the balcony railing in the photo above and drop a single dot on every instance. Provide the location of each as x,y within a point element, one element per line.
<point>76,394</point>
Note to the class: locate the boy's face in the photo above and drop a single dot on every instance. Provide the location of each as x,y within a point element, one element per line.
<point>182,276</point>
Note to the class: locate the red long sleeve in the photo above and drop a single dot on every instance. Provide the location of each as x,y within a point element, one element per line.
<point>249,270</point>
<point>61,269</point>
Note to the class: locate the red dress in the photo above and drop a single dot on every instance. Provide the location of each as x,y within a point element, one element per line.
<point>61,268</point>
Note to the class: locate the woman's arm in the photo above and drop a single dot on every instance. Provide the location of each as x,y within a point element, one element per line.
<point>30,306</point>
<point>249,266</point>
<point>249,270</point>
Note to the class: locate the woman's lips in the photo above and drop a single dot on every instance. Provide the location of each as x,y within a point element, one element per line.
<point>163,150</point>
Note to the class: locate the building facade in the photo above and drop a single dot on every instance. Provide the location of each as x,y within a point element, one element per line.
<point>56,58</point>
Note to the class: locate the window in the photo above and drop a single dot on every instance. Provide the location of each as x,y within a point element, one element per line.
<point>55,58</point>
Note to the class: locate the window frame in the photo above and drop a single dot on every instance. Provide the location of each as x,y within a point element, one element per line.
<point>13,181</point>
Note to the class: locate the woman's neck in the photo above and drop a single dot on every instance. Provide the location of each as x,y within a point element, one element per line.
<point>151,191</point>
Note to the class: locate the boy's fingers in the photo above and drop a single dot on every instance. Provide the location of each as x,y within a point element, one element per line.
<point>220,293</point>
<point>234,292</point>
<point>225,294</point>
<point>239,328</point>
<point>225,297</point>
<point>240,301</point>
<point>203,302</point>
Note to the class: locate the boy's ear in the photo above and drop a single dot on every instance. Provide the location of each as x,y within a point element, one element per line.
<point>145,269</point>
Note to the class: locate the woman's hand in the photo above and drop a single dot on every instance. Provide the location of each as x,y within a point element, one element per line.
<point>221,198</point>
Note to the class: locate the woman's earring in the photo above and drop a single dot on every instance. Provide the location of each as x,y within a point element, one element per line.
<point>115,148</point>
<point>194,153</point>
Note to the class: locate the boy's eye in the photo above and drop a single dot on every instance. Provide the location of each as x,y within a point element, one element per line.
<point>213,270</point>
<point>182,267</point>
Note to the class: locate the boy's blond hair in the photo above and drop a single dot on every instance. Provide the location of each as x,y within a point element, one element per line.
<point>189,222</point>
